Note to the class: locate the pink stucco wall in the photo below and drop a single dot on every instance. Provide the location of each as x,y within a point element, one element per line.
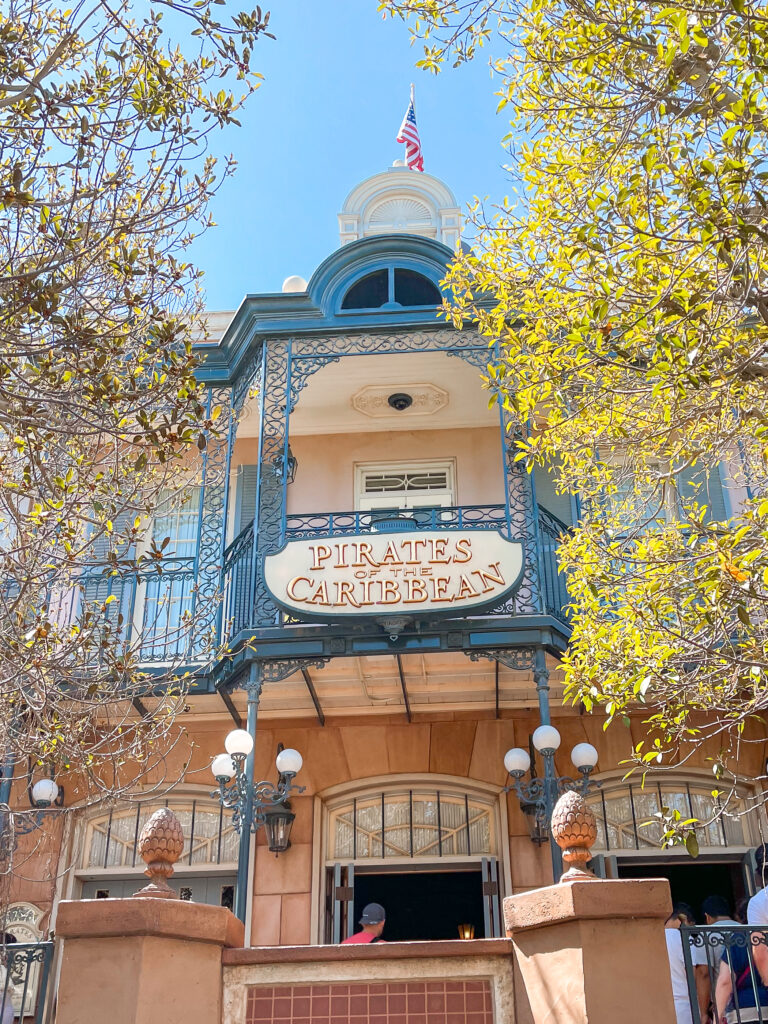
<point>325,479</point>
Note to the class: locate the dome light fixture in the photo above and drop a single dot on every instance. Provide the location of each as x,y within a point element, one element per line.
<point>400,401</point>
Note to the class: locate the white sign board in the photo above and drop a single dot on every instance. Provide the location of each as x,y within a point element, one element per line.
<point>394,573</point>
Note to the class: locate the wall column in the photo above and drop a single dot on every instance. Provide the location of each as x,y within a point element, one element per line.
<point>593,952</point>
<point>142,960</point>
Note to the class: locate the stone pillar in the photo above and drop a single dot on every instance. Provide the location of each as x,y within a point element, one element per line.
<point>142,960</point>
<point>593,952</point>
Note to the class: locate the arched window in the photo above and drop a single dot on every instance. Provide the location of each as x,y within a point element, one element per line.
<point>370,292</point>
<point>209,836</point>
<point>385,288</point>
<point>412,289</point>
<point>410,823</point>
<point>626,815</point>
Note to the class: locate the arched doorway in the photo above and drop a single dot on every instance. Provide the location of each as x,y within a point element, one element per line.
<point>427,849</point>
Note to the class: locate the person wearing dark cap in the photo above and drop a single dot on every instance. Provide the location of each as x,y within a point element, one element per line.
<point>372,925</point>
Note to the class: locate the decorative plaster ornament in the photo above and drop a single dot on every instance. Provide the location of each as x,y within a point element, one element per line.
<point>160,845</point>
<point>373,400</point>
<point>574,829</point>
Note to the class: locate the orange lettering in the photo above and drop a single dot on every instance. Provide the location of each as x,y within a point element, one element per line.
<point>345,594</point>
<point>320,596</point>
<point>319,554</point>
<point>391,555</point>
<point>438,550</point>
<point>416,587</point>
<point>390,589</point>
<point>291,588</point>
<point>439,587</point>
<point>488,578</point>
<point>465,589</point>
<point>363,550</point>
<point>463,547</point>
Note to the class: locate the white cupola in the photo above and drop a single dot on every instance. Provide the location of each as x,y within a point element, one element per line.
<point>401,201</point>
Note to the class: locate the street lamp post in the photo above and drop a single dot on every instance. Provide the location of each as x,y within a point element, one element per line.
<point>254,804</point>
<point>46,797</point>
<point>538,796</point>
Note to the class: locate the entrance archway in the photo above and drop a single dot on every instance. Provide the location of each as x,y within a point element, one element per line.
<point>429,849</point>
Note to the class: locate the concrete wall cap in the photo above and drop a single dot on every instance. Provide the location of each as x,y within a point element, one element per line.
<point>588,900</point>
<point>367,951</point>
<point>170,919</point>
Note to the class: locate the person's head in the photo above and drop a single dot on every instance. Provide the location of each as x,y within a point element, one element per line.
<point>373,919</point>
<point>682,913</point>
<point>715,908</point>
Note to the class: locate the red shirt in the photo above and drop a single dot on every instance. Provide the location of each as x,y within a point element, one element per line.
<point>360,937</point>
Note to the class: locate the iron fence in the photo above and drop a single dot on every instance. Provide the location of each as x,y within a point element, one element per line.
<point>25,971</point>
<point>726,967</point>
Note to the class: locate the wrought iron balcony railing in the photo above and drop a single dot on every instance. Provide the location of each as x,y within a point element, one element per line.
<point>239,559</point>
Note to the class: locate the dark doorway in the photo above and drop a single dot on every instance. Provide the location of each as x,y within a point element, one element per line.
<point>692,881</point>
<point>423,906</point>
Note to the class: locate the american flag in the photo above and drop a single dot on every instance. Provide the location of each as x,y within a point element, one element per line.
<point>409,134</point>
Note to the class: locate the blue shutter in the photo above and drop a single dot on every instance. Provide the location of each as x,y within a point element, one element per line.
<point>245,496</point>
<point>546,494</point>
<point>705,486</point>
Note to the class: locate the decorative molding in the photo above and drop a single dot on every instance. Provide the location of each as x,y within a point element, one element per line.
<point>373,400</point>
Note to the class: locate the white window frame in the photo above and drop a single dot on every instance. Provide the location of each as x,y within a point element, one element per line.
<point>406,499</point>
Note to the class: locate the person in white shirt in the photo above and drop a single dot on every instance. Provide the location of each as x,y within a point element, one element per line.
<point>757,908</point>
<point>681,914</point>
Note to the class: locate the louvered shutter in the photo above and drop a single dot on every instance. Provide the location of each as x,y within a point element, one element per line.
<point>245,496</point>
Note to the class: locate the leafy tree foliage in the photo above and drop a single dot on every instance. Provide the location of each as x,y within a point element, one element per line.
<point>626,277</point>
<point>106,120</point>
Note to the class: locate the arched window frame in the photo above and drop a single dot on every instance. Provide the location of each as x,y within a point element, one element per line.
<point>683,783</point>
<point>182,798</point>
<point>390,306</point>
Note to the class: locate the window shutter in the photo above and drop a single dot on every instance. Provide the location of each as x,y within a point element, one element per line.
<point>705,486</point>
<point>546,494</point>
<point>245,496</point>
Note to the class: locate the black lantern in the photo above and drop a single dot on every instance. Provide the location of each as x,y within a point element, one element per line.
<point>278,821</point>
<point>292,466</point>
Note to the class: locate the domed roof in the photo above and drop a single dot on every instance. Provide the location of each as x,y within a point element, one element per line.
<point>401,201</point>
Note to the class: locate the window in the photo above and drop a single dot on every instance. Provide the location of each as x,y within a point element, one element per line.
<point>410,823</point>
<point>111,866</point>
<point>406,485</point>
<point>169,595</point>
<point>412,289</point>
<point>370,292</point>
<point>209,837</point>
<point>625,816</point>
<point>392,288</point>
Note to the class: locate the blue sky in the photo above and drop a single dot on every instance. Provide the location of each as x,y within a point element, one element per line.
<point>336,87</point>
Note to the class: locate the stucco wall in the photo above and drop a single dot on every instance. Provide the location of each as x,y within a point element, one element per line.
<point>325,478</point>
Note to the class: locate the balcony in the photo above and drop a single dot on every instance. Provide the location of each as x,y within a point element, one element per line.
<point>239,561</point>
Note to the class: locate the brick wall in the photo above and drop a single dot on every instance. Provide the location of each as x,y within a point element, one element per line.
<point>407,1002</point>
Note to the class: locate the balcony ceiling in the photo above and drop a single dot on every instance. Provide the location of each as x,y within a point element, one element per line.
<point>447,393</point>
<point>371,685</point>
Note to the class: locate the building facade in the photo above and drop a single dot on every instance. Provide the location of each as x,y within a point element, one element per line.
<point>390,606</point>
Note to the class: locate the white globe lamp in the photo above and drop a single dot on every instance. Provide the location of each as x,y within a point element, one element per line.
<point>239,743</point>
<point>546,738</point>
<point>45,792</point>
<point>223,767</point>
<point>517,761</point>
<point>289,761</point>
<point>584,757</point>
